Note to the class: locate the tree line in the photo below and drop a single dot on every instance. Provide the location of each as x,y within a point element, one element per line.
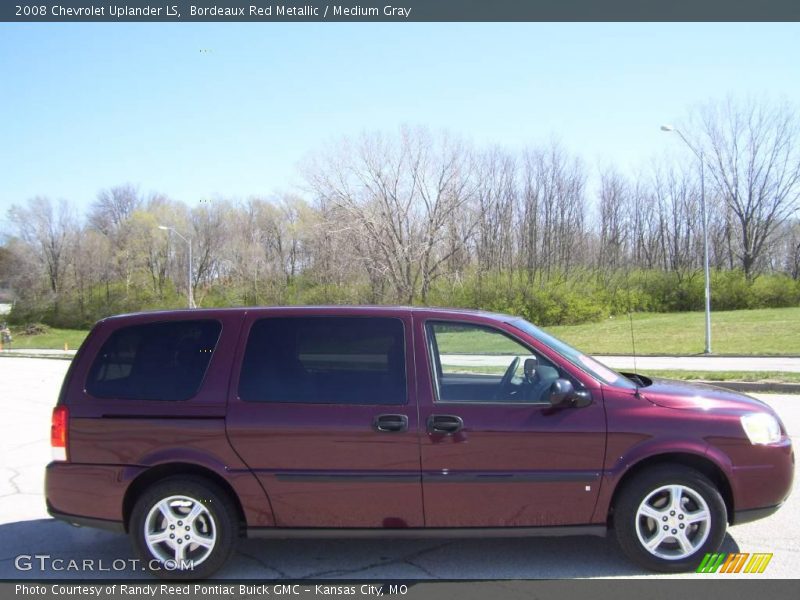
<point>416,217</point>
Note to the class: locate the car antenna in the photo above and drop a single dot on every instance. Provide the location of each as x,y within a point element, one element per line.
<point>633,344</point>
<point>636,379</point>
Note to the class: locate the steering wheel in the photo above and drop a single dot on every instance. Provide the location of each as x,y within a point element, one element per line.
<point>505,382</point>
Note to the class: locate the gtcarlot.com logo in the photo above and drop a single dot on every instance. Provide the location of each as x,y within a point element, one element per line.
<point>735,562</point>
<point>45,562</point>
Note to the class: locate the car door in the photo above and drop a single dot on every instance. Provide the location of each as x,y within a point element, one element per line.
<point>323,411</point>
<point>494,453</point>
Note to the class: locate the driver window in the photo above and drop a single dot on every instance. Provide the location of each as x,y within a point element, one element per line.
<point>473,363</point>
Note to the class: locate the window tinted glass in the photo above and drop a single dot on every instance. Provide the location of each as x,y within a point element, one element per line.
<point>325,360</point>
<point>480,364</point>
<point>156,361</point>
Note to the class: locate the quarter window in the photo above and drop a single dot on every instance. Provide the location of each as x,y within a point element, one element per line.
<point>154,361</point>
<point>325,360</point>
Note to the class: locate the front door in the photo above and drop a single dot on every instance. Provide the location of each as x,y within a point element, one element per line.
<point>494,452</point>
<point>323,414</point>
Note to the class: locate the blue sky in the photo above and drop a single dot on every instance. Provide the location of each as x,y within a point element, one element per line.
<point>87,106</point>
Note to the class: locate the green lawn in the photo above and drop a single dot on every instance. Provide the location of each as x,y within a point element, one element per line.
<point>769,331</point>
<point>53,339</point>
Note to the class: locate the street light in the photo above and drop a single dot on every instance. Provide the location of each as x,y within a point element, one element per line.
<point>699,155</point>
<point>188,241</point>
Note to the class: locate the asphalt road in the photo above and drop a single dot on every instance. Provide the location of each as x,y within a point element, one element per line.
<point>28,390</point>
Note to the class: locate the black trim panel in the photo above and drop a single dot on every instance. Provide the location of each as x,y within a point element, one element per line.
<point>160,417</point>
<point>440,477</point>
<point>754,514</point>
<point>514,477</point>
<point>329,477</point>
<point>423,532</point>
<point>115,526</point>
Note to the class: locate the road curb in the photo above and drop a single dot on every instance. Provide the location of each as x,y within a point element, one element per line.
<point>752,386</point>
<point>32,355</point>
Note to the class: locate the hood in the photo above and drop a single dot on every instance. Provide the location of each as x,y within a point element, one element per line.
<point>698,396</point>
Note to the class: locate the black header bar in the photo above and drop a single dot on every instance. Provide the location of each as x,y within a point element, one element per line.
<point>397,10</point>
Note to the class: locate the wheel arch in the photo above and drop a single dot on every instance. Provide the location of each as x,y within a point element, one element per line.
<point>164,471</point>
<point>700,463</point>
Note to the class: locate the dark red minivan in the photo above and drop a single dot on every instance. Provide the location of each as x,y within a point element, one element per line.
<point>188,429</point>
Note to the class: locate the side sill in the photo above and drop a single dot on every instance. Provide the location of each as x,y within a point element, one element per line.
<point>115,526</point>
<point>423,532</point>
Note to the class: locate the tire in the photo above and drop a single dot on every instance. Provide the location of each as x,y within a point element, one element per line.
<point>184,510</point>
<point>645,507</point>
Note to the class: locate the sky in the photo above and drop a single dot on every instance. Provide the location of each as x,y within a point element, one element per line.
<point>198,111</point>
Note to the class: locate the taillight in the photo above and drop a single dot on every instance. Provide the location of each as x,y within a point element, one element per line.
<point>58,432</point>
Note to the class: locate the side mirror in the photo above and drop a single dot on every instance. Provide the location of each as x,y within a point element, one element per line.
<point>561,390</point>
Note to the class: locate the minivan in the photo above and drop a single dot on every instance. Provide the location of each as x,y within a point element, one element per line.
<point>189,429</point>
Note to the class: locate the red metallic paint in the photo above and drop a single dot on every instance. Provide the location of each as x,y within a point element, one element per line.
<point>325,466</point>
<point>503,443</point>
<point>334,446</point>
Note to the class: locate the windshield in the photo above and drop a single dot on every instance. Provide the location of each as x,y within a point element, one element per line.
<point>576,357</point>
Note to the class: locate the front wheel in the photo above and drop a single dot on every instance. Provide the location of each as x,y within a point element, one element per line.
<point>183,528</point>
<point>669,517</point>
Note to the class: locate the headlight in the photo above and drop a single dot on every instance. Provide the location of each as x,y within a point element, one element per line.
<point>761,428</point>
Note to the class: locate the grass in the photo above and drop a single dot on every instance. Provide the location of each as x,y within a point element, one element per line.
<point>763,332</point>
<point>477,341</point>
<point>53,339</point>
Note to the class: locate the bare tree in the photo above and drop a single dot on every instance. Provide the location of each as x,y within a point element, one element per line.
<point>395,196</point>
<point>615,211</point>
<point>753,151</point>
<point>113,207</point>
<point>496,203</point>
<point>208,232</point>
<point>90,265</point>
<point>553,211</point>
<point>49,232</point>
<point>678,204</point>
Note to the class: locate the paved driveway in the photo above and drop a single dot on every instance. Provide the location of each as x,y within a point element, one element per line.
<point>29,389</point>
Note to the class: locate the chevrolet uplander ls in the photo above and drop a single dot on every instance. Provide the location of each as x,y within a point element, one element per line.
<point>189,429</point>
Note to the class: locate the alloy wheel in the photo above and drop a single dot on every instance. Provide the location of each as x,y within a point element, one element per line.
<point>673,522</point>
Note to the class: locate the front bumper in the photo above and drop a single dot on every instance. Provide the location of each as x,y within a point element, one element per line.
<point>762,476</point>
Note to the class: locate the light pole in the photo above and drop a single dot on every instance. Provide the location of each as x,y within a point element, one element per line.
<point>699,155</point>
<point>188,241</point>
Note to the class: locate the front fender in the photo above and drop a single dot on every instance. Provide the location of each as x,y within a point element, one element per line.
<point>621,465</point>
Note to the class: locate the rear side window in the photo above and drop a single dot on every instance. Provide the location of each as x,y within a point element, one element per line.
<point>155,361</point>
<point>325,360</point>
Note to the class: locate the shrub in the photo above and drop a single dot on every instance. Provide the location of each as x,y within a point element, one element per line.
<point>730,290</point>
<point>774,291</point>
<point>580,296</point>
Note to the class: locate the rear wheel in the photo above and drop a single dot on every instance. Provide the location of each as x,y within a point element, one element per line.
<point>668,518</point>
<point>184,528</point>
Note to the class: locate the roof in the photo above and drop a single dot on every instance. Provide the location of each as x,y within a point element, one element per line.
<point>332,308</point>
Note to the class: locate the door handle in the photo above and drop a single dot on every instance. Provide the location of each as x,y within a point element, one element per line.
<point>447,424</point>
<point>391,423</point>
